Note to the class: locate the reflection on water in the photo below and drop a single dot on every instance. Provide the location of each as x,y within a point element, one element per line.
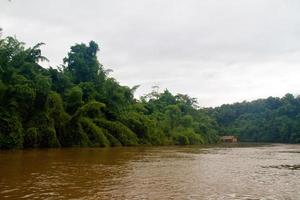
<point>227,172</point>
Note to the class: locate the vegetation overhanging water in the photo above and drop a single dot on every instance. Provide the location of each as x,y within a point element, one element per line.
<point>79,104</point>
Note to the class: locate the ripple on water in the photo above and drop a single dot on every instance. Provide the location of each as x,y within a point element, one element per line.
<point>259,172</point>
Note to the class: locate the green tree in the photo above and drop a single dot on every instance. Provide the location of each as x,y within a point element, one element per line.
<point>83,65</point>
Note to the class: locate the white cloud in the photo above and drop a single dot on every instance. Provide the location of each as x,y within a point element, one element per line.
<point>217,51</point>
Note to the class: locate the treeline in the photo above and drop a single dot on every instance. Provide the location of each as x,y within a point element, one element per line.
<point>263,120</point>
<point>78,104</point>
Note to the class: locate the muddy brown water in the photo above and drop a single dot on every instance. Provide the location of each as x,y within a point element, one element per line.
<point>193,172</point>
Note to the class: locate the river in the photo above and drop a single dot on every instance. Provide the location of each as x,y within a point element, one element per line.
<point>218,172</point>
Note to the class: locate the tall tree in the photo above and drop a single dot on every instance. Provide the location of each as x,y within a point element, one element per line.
<point>82,63</point>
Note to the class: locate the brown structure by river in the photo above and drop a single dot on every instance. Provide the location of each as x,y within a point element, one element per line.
<point>232,172</point>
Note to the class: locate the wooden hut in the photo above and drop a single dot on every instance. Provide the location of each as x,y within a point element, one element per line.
<point>228,139</point>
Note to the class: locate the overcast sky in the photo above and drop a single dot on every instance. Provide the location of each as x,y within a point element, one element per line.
<point>220,51</point>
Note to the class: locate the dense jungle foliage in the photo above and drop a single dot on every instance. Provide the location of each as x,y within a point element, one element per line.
<point>263,120</point>
<point>78,104</point>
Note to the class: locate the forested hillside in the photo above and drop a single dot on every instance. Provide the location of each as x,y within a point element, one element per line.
<point>263,120</point>
<point>78,104</point>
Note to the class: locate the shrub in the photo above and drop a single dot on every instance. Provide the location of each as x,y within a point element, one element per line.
<point>119,131</point>
<point>185,136</point>
<point>31,137</point>
<point>112,140</point>
<point>91,109</point>
<point>74,135</point>
<point>73,99</point>
<point>95,133</point>
<point>180,139</point>
<point>54,106</point>
<point>47,138</point>
<point>11,131</point>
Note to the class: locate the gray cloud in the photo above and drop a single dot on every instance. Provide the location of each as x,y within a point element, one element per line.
<point>217,51</point>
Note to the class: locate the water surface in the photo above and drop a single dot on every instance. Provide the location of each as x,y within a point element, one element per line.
<point>226,172</point>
